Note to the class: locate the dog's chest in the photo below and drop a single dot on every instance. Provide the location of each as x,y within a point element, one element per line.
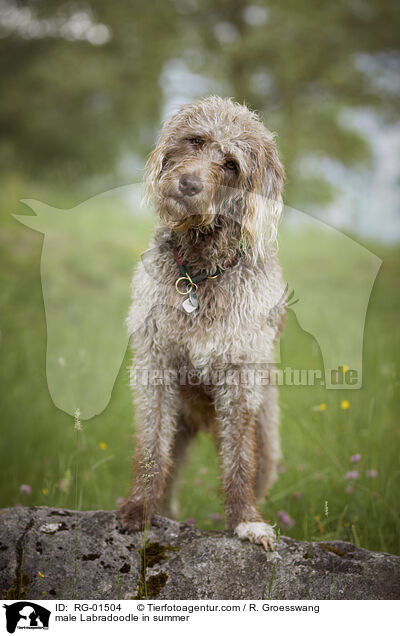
<point>205,351</point>
<point>229,326</point>
<point>204,335</point>
<point>222,330</point>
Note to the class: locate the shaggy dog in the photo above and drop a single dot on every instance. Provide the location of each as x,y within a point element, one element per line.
<point>207,310</point>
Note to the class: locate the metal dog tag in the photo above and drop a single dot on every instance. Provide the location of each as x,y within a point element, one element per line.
<point>191,303</point>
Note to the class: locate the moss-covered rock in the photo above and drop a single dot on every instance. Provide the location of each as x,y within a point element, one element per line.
<point>62,554</point>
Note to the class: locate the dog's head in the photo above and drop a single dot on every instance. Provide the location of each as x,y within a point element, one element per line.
<point>215,158</point>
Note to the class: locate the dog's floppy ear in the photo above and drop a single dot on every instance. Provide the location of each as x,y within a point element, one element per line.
<point>272,172</point>
<point>154,166</point>
<point>265,199</point>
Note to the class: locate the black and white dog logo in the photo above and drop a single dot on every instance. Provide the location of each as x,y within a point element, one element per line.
<point>26,615</point>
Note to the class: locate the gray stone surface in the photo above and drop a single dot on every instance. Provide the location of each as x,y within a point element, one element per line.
<point>83,555</point>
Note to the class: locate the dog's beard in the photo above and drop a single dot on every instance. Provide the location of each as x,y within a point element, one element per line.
<point>201,212</point>
<point>181,216</point>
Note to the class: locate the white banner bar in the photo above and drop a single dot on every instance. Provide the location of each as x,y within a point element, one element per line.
<point>168,617</point>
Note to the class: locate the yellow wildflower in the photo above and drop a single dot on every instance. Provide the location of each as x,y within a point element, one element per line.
<point>45,492</point>
<point>41,575</point>
<point>344,404</point>
<point>103,446</point>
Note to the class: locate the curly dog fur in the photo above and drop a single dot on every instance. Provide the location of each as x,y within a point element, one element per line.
<point>216,180</point>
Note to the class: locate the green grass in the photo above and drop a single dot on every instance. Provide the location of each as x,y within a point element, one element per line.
<point>91,469</point>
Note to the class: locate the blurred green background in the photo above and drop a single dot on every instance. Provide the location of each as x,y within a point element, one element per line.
<point>84,86</point>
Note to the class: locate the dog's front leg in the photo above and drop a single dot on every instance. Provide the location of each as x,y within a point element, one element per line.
<point>238,451</point>
<point>156,417</point>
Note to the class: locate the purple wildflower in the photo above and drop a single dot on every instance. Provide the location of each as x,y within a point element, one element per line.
<point>190,521</point>
<point>349,489</point>
<point>372,474</point>
<point>24,489</point>
<point>285,519</point>
<point>351,474</point>
<point>355,458</point>
<point>216,517</point>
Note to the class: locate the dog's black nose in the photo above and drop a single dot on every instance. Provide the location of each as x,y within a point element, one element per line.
<point>190,184</point>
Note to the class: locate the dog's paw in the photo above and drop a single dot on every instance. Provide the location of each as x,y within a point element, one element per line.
<point>130,516</point>
<point>257,532</point>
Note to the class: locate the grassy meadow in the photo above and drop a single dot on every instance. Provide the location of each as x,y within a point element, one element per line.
<point>320,494</point>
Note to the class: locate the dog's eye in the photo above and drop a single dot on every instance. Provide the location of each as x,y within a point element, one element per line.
<point>231,165</point>
<point>196,141</point>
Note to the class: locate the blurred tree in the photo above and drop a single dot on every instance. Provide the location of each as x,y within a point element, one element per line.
<point>80,79</point>
<point>79,83</point>
<point>301,62</point>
